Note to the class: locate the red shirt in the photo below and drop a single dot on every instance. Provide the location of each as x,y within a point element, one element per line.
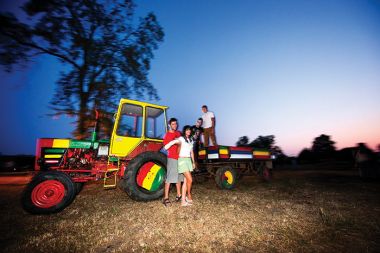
<point>173,150</point>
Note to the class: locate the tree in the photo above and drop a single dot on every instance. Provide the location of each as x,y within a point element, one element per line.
<point>265,142</point>
<point>106,55</point>
<point>323,147</point>
<point>243,141</point>
<point>306,156</point>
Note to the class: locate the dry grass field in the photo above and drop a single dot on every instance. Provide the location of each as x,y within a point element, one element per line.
<point>300,211</point>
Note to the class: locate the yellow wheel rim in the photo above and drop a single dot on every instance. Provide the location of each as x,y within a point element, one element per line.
<point>229,177</point>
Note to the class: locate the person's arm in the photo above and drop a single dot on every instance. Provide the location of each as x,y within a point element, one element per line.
<point>167,146</point>
<point>192,158</point>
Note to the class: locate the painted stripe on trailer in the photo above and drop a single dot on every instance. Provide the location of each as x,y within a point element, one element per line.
<point>224,156</point>
<point>241,149</point>
<point>149,179</point>
<point>241,156</point>
<point>260,153</point>
<point>61,143</point>
<point>241,152</point>
<point>202,152</point>
<point>213,156</point>
<point>213,151</point>
<point>53,156</point>
<point>223,151</point>
<point>261,156</point>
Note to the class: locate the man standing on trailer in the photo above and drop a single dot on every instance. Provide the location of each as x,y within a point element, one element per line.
<point>172,176</point>
<point>208,126</point>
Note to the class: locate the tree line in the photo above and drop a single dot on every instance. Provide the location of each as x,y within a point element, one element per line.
<point>322,149</point>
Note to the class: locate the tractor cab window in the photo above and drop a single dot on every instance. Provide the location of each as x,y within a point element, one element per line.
<point>130,121</point>
<point>155,123</point>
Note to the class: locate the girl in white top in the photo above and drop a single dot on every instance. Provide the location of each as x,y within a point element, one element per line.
<point>186,163</point>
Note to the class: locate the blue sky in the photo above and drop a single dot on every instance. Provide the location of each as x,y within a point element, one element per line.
<point>294,69</point>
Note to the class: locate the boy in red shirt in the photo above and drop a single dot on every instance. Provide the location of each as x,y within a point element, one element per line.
<point>172,176</point>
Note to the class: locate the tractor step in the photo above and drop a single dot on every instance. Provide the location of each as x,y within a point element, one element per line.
<point>110,178</point>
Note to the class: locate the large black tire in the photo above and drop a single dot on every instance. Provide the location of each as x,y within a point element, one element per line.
<point>226,177</point>
<point>136,170</point>
<point>48,192</point>
<point>78,187</point>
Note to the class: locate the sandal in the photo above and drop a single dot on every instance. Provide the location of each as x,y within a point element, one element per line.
<point>166,202</point>
<point>178,198</point>
<point>186,204</point>
<point>190,201</point>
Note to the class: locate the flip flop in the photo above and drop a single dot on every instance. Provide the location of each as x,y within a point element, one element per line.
<point>178,198</point>
<point>186,204</point>
<point>166,202</point>
<point>190,201</point>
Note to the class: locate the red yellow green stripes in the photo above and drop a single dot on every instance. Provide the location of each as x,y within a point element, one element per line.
<point>150,176</point>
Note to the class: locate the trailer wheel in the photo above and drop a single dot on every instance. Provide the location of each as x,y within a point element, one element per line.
<point>226,177</point>
<point>144,178</point>
<point>48,192</point>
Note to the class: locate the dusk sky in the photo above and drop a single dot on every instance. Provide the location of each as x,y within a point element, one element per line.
<point>294,69</point>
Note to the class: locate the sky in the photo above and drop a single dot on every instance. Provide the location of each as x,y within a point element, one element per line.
<point>293,69</point>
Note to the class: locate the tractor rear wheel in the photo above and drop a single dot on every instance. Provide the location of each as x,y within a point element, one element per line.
<point>226,177</point>
<point>144,178</point>
<point>48,192</point>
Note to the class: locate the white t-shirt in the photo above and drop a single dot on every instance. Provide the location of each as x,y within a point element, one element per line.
<point>207,123</point>
<point>186,147</point>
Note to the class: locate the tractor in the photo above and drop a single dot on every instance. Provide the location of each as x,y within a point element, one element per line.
<point>133,158</point>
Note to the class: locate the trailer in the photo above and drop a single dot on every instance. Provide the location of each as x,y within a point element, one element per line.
<point>228,164</point>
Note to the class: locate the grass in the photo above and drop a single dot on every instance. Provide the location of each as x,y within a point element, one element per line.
<point>300,211</point>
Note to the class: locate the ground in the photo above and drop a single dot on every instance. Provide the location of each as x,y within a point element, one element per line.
<point>300,211</point>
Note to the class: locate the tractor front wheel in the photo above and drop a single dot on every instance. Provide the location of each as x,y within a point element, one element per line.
<point>144,178</point>
<point>226,177</point>
<point>48,192</point>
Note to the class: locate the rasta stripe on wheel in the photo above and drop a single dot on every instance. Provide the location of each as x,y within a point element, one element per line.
<point>229,177</point>
<point>150,176</point>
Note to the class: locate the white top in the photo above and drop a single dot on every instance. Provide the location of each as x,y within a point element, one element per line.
<point>186,147</point>
<point>207,123</point>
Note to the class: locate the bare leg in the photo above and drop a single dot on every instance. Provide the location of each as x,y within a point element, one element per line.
<point>178,186</point>
<point>166,190</point>
<point>189,182</point>
<point>184,188</point>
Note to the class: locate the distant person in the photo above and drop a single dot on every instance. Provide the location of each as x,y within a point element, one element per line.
<point>366,162</point>
<point>186,163</point>
<point>208,126</point>
<point>172,176</point>
<point>196,133</point>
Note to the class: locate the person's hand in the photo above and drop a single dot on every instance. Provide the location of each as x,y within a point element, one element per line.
<point>194,167</point>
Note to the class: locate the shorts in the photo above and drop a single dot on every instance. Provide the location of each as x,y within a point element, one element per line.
<point>172,176</point>
<point>184,164</point>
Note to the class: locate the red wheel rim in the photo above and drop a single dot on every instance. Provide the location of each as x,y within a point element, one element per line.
<point>48,193</point>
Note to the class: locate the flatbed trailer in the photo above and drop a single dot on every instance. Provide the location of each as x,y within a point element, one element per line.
<point>228,164</point>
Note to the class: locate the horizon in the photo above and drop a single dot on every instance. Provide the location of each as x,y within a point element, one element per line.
<point>291,69</point>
